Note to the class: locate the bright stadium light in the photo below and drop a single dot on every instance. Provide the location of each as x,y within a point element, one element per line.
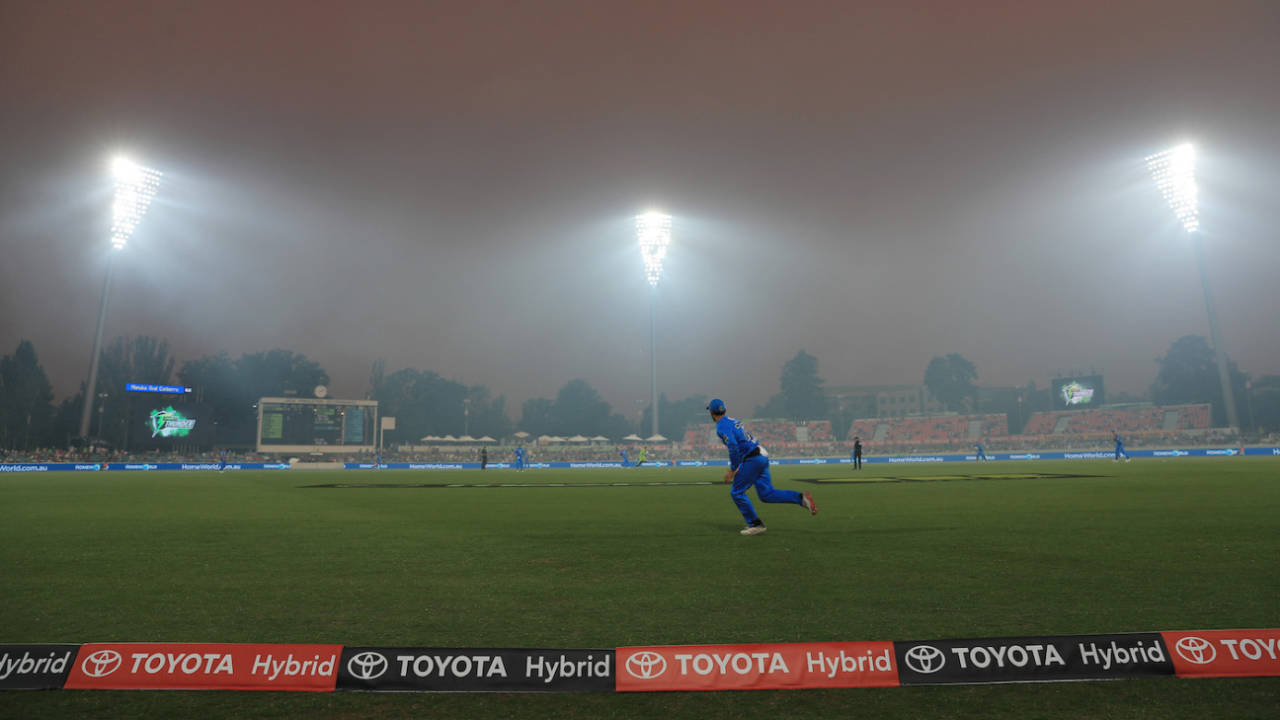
<point>653,232</point>
<point>1174,171</point>
<point>135,186</point>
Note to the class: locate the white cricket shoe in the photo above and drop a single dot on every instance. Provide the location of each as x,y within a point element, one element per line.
<point>753,530</point>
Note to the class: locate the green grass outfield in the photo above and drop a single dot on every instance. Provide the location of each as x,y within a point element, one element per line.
<point>256,557</point>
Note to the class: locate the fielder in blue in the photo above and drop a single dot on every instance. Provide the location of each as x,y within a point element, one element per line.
<point>520,458</point>
<point>749,466</point>
<point>222,460</point>
<point>1119,448</point>
<point>981,455</point>
<point>625,461</point>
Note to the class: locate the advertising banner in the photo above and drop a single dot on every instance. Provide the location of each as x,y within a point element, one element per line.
<point>1032,659</point>
<point>35,667</point>
<point>1225,653</point>
<point>204,666</point>
<point>421,669</point>
<point>757,667</point>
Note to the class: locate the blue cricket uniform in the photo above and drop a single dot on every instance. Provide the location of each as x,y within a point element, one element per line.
<point>981,455</point>
<point>1120,448</point>
<point>625,461</point>
<point>222,460</point>
<point>519,458</point>
<point>752,465</point>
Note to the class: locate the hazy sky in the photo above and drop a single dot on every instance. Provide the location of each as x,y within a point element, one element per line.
<point>450,186</point>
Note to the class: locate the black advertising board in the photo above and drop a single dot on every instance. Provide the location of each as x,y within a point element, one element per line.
<point>1032,659</point>
<point>422,669</point>
<point>35,667</point>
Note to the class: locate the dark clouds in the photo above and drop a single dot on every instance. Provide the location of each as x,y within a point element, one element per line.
<point>449,185</point>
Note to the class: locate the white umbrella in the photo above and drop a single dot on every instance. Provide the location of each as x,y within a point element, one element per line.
<point>486,438</point>
<point>578,439</point>
<point>633,437</point>
<point>655,439</point>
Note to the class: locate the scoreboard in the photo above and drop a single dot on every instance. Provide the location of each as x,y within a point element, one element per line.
<point>316,425</point>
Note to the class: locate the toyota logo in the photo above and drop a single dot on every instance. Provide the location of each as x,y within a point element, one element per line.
<point>101,663</point>
<point>1196,650</point>
<point>646,665</point>
<point>925,659</point>
<point>367,665</point>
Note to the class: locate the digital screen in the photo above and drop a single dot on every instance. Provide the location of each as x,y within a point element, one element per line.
<point>315,424</point>
<point>353,426</point>
<point>168,423</point>
<point>1079,393</point>
<point>158,426</point>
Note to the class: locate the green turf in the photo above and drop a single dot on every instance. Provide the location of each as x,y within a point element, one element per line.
<point>255,557</point>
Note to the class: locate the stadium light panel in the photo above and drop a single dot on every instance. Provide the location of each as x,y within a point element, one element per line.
<point>653,230</point>
<point>1174,171</point>
<point>135,186</point>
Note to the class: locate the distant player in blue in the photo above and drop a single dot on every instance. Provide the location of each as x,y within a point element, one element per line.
<point>519,458</point>
<point>981,455</point>
<point>222,460</point>
<point>625,461</point>
<point>749,467</point>
<point>1119,448</point>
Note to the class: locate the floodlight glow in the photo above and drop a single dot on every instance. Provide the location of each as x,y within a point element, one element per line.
<point>1174,171</point>
<point>653,230</point>
<point>135,187</point>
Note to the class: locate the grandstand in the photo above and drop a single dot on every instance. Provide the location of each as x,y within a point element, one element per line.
<point>1125,420</point>
<point>931,431</point>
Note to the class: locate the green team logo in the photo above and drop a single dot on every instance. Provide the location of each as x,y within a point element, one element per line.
<point>1073,393</point>
<point>170,423</point>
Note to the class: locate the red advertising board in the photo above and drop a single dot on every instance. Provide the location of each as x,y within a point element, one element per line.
<point>756,667</point>
<point>204,666</point>
<point>1224,653</point>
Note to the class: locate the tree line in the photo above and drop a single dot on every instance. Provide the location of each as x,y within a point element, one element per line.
<point>425,403</point>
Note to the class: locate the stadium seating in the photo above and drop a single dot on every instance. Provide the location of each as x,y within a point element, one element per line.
<point>1123,420</point>
<point>930,431</point>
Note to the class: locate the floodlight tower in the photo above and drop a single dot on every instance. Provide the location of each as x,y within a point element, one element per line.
<point>653,231</point>
<point>1174,171</point>
<point>135,186</point>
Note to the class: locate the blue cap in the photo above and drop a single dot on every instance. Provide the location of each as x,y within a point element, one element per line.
<point>716,406</point>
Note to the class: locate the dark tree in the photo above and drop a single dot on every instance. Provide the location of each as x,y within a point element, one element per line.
<point>26,400</point>
<point>535,416</point>
<point>802,388</point>
<point>1189,374</point>
<point>950,380</point>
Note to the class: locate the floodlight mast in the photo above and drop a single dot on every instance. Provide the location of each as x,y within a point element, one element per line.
<point>135,186</point>
<point>1174,171</point>
<point>653,232</point>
